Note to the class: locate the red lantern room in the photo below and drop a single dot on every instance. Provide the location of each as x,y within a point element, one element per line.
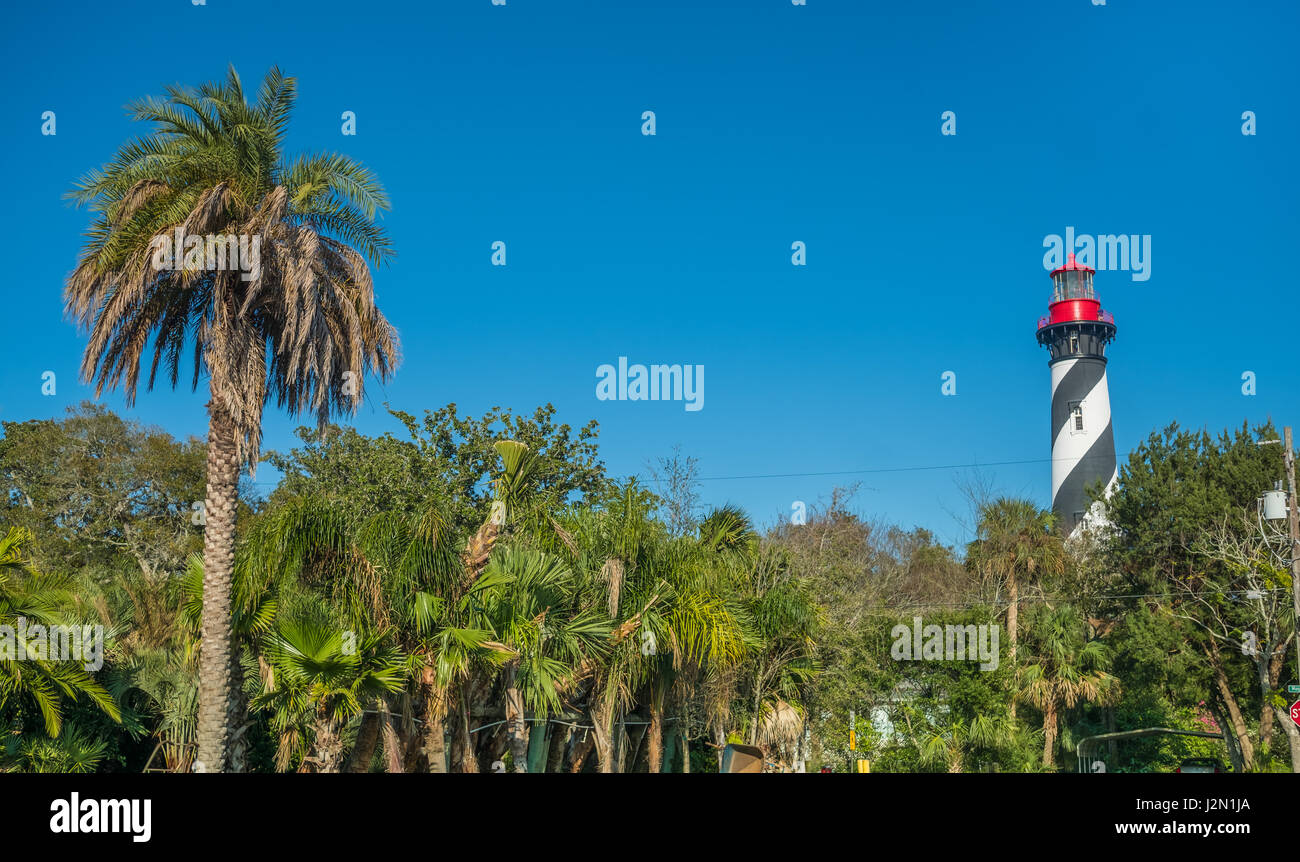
<point>1075,324</point>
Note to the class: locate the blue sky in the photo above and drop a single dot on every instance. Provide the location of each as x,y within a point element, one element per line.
<point>775,123</point>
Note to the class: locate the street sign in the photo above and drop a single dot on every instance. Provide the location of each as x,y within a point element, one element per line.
<point>1293,689</point>
<point>1295,712</point>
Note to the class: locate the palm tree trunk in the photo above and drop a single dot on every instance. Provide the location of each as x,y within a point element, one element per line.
<point>558,748</point>
<point>238,721</point>
<point>1049,735</point>
<point>329,745</point>
<point>435,745</point>
<point>433,731</point>
<point>686,753</point>
<point>516,727</point>
<point>363,750</point>
<point>468,762</point>
<point>394,750</point>
<point>1013,616</point>
<point>602,731</point>
<point>218,569</point>
<point>655,752</point>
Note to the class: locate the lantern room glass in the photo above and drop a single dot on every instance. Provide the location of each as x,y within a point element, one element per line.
<point>1072,284</point>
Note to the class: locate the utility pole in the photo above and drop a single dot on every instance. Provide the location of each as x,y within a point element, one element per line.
<point>1293,522</point>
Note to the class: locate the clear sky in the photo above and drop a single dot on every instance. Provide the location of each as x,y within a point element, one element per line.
<point>775,123</point>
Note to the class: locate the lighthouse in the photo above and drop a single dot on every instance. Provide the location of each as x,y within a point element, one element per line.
<point>1076,332</point>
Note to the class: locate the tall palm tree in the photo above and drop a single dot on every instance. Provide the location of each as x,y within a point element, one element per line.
<point>1067,668</point>
<point>296,319</point>
<point>1015,543</point>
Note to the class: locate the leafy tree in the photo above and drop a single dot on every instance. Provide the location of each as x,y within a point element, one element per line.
<point>99,491</point>
<point>447,458</point>
<point>1176,486</point>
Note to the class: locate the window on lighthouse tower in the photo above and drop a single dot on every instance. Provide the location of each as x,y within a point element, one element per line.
<point>1076,414</point>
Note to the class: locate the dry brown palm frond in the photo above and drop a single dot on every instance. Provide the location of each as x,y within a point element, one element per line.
<point>479,550</point>
<point>303,325</point>
<point>612,574</point>
<point>136,198</point>
<point>211,215</point>
<point>780,727</point>
<point>565,536</point>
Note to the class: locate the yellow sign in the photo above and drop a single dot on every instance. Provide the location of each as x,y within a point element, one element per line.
<point>864,766</point>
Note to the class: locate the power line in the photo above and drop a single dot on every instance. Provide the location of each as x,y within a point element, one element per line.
<point>971,604</point>
<point>908,469</point>
<point>869,470</point>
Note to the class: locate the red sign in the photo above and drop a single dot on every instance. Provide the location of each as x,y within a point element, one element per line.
<point>1295,712</point>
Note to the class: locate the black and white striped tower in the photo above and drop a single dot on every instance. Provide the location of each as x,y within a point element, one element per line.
<point>1076,333</point>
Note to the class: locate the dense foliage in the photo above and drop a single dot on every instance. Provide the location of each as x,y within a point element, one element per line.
<point>479,594</point>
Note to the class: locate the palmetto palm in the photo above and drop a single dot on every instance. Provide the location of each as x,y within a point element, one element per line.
<point>529,604</point>
<point>388,573</point>
<point>71,752</point>
<point>697,626</point>
<point>611,549</point>
<point>167,679</point>
<point>949,746</point>
<point>317,682</point>
<point>668,601</point>
<point>406,576</point>
<point>39,599</point>
<point>302,327</point>
<point>1067,668</point>
<point>1015,543</point>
